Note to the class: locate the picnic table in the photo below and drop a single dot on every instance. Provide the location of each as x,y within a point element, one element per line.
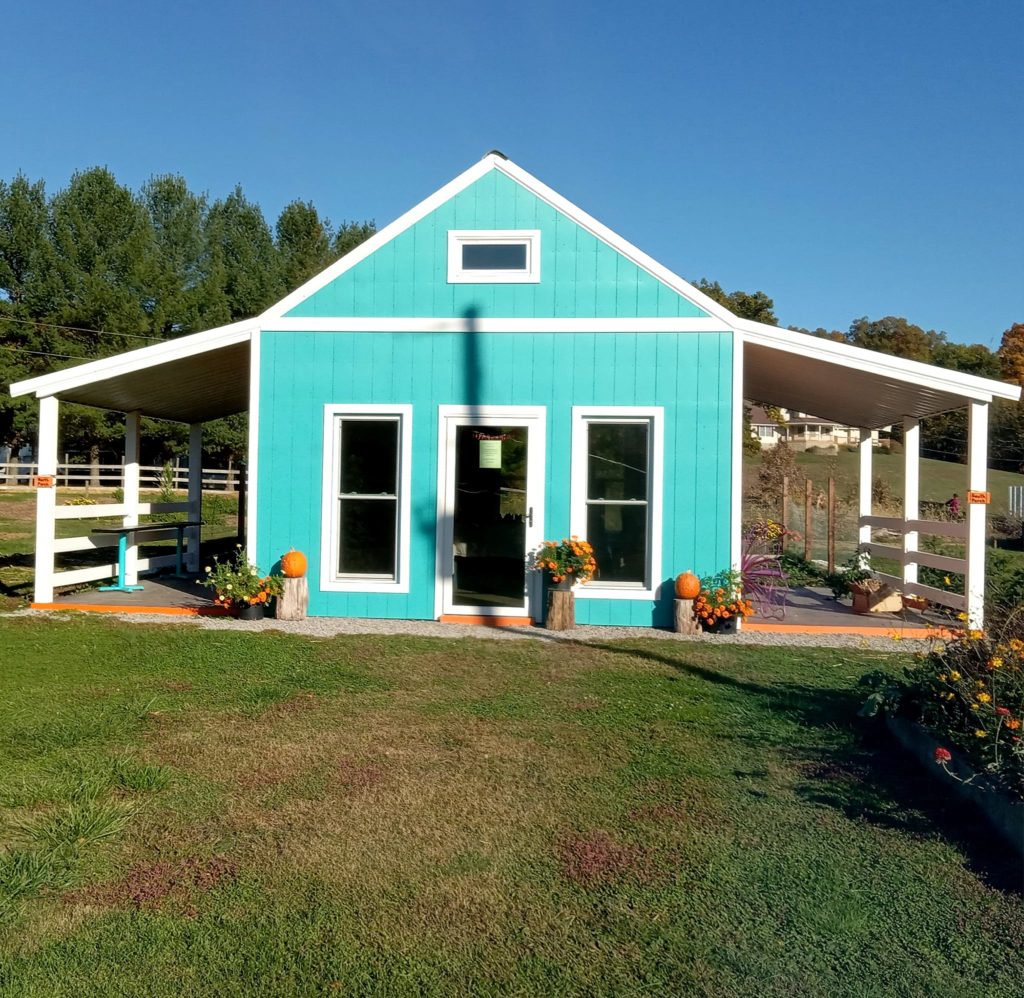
<point>142,528</point>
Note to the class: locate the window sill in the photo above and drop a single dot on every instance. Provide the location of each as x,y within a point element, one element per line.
<point>597,591</point>
<point>363,586</point>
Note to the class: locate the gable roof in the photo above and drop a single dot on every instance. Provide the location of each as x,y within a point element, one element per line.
<point>496,161</point>
<point>843,383</point>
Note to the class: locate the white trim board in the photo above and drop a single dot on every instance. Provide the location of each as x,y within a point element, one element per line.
<point>427,324</point>
<point>329,583</point>
<point>655,416</point>
<point>253,448</point>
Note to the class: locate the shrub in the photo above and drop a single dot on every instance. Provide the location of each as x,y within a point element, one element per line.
<point>777,463</point>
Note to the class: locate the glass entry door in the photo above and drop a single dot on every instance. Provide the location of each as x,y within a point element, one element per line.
<point>491,515</point>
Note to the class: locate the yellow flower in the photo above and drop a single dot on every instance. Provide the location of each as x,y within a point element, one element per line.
<point>980,733</point>
<point>975,706</point>
<point>942,677</point>
<point>984,697</point>
<point>995,663</point>
<point>980,683</point>
<point>946,579</point>
<point>954,675</point>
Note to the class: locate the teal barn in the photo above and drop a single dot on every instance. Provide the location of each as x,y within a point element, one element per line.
<point>493,369</point>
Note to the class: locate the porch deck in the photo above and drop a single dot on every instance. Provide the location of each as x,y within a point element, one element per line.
<point>160,594</point>
<point>814,610</point>
<point>808,611</point>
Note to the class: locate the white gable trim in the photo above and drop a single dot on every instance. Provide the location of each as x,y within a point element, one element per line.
<point>135,360</point>
<point>490,162</point>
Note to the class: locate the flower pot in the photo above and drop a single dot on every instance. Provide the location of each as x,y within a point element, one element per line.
<point>251,611</point>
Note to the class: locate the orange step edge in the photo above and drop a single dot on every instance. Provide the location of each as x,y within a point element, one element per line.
<point>482,620</point>
<point>876,632</point>
<point>172,611</point>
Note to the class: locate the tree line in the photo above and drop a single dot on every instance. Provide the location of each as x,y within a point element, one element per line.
<point>944,436</point>
<point>96,269</point>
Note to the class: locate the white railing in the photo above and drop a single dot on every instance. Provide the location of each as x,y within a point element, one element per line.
<point>911,559</point>
<point>109,476</point>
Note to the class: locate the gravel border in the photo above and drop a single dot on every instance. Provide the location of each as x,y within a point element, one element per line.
<point>329,627</point>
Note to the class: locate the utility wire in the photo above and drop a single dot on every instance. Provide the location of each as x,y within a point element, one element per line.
<point>45,353</point>
<point>80,329</point>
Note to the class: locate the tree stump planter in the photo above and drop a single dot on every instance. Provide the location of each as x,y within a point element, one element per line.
<point>561,607</point>
<point>293,603</point>
<point>686,621</point>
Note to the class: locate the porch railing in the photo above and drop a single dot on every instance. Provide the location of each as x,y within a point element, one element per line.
<point>909,557</point>
<point>88,542</point>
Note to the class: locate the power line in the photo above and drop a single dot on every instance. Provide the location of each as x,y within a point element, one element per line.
<point>80,329</point>
<point>46,353</point>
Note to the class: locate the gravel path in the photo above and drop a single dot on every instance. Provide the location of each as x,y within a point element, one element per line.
<point>327,627</point>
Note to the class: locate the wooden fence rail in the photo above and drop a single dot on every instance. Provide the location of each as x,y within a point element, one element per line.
<point>109,476</point>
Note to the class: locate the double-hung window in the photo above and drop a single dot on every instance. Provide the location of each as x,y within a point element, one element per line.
<point>367,453</point>
<point>617,472</point>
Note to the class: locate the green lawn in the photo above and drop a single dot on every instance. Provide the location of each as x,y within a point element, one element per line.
<point>190,812</point>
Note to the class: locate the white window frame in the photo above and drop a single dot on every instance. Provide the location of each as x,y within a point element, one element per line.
<point>654,416</point>
<point>457,238</point>
<point>330,581</point>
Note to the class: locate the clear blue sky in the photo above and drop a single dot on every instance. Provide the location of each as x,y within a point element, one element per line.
<point>856,158</point>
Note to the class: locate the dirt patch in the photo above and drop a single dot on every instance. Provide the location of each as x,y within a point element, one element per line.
<point>152,885</point>
<point>356,774</point>
<point>596,858</point>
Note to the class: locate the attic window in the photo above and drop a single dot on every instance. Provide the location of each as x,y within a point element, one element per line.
<point>494,256</point>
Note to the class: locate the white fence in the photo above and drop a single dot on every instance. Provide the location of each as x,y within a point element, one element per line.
<point>110,476</point>
<point>1017,500</point>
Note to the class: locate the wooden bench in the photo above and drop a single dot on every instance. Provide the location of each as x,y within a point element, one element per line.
<point>143,528</point>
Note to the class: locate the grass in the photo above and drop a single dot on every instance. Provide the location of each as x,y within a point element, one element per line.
<point>219,813</point>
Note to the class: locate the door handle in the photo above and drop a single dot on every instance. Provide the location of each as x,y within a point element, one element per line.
<point>529,516</point>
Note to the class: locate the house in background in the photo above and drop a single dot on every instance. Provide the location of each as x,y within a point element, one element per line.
<point>802,431</point>
<point>494,368</point>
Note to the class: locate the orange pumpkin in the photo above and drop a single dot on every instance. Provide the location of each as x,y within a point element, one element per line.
<point>293,564</point>
<point>687,585</point>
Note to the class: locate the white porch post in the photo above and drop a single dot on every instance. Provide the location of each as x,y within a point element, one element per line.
<point>864,494</point>
<point>131,494</point>
<point>46,500</point>
<point>195,492</point>
<point>911,496</point>
<point>977,470</point>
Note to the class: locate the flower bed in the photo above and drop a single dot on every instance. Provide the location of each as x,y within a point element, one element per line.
<point>967,699</point>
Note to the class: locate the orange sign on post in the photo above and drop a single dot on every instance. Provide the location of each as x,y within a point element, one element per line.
<point>44,481</point>
<point>979,498</point>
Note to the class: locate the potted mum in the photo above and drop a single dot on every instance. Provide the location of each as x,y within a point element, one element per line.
<point>241,587</point>
<point>720,603</point>
<point>566,562</point>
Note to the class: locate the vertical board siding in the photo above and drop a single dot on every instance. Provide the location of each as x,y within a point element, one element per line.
<point>581,276</point>
<point>690,374</point>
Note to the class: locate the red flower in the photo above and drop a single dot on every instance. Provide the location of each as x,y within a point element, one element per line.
<point>1005,711</point>
<point>942,755</point>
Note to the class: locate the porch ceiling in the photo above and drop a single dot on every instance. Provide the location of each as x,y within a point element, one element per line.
<point>840,394</point>
<point>190,390</point>
<point>846,384</point>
